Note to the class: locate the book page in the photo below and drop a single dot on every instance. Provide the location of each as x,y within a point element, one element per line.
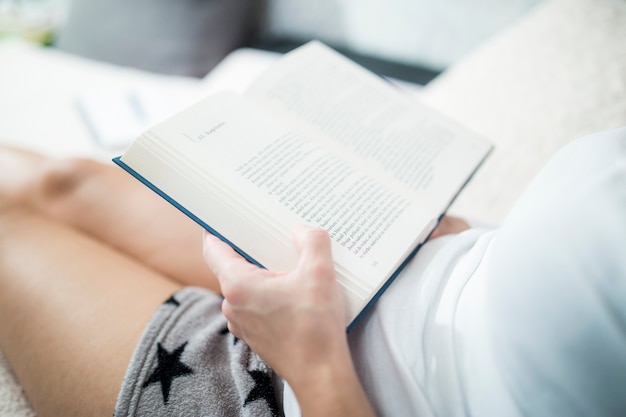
<point>332,97</point>
<point>322,189</point>
<point>316,140</point>
<point>258,178</point>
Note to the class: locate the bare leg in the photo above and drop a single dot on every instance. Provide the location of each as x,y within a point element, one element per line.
<point>71,313</point>
<point>85,260</point>
<point>108,204</point>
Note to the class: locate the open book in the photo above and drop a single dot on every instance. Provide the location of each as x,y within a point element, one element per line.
<point>319,140</point>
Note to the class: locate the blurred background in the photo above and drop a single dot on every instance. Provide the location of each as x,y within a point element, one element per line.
<point>408,39</point>
<point>34,20</point>
<point>85,77</point>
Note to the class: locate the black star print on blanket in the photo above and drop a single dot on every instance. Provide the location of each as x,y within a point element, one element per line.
<point>225,332</point>
<point>263,390</point>
<point>172,301</point>
<point>169,368</point>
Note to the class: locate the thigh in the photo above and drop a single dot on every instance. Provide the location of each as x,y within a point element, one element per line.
<point>107,203</point>
<point>71,313</point>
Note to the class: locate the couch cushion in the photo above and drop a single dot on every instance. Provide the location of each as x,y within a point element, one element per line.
<point>558,74</point>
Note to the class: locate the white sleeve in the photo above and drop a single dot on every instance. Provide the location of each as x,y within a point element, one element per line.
<point>557,285</point>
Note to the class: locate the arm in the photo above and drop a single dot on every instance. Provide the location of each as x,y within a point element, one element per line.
<point>295,321</point>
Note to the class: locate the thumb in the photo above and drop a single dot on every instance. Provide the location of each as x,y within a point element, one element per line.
<point>314,248</point>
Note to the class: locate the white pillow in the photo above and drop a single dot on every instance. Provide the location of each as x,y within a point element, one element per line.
<point>558,74</point>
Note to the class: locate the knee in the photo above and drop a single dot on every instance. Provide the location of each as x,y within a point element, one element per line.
<point>27,178</point>
<point>59,179</point>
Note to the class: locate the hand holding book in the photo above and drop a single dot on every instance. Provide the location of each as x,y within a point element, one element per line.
<point>295,320</point>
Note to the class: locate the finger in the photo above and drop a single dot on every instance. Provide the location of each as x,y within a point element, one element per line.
<point>314,248</point>
<point>234,330</point>
<point>228,314</point>
<point>237,276</point>
<point>298,233</point>
<point>220,256</point>
<point>227,310</point>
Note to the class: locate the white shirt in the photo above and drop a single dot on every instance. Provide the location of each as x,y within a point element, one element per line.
<point>526,320</point>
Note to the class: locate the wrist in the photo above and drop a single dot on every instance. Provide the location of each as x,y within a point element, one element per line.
<point>331,388</point>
